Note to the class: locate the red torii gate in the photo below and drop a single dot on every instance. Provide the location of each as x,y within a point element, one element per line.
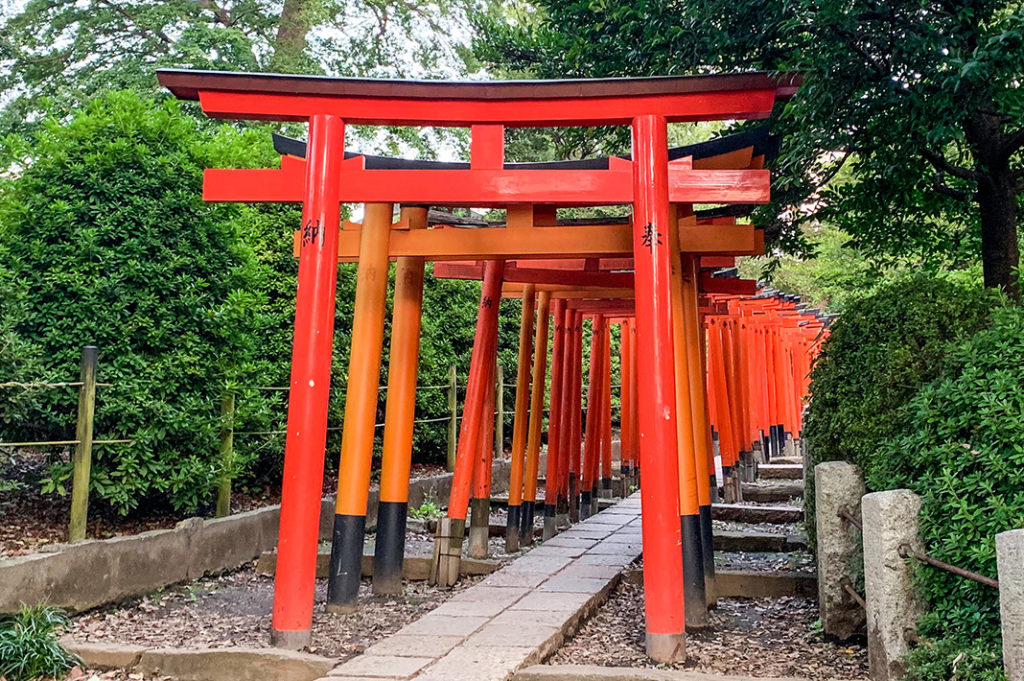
<point>648,181</point>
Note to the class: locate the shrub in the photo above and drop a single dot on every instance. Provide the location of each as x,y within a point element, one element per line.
<point>109,243</point>
<point>29,648</point>
<point>880,351</point>
<point>962,453</point>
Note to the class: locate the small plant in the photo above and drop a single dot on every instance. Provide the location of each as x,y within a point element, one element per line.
<point>29,645</point>
<point>427,510</point>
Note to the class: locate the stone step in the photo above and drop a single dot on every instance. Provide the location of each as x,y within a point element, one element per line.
<point>780,471</point>
<point>758,542</point>
<point>733,583</point>
<point>773,491</point>
<point>741,513</point>
<point>789,460</point>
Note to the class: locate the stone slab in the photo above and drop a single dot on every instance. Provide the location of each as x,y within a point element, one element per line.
<point>753,584</point>
<point>382,666</point>
<point>773,491</point>
<point>232,664</point>
<point>757,514</point>
<point>471,663</point>
<point>594,673</point>
<point>431,624</point>
<point>415,645</point>
<point>780,471</point>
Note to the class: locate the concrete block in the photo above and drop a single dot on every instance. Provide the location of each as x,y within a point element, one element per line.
<point>21,581</point>
<point>444,625</point>
<point>1010,559</point>
<point>773,491</point>
<point>780,471</point>
<point>233,664</point>
<point>467,663</point>
<point>890,521</point>
<point>223,543</point>
<point>149,560</point>
<point>754,584</point>
<point>838,485</point>
<point>78,577</point>
<point>105,655</point>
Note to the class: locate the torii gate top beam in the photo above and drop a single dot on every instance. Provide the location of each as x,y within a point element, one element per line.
<point>603,101</point>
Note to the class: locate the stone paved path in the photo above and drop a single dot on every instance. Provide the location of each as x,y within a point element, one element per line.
<point>515,617</point>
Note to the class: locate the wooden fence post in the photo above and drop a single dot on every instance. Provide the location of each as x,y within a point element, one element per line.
<point>82,461</point>
<point>453,408</point>
<point>499,417</point>
<point>227,454</point>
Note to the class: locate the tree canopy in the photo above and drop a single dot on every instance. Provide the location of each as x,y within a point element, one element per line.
<point>907,132</point>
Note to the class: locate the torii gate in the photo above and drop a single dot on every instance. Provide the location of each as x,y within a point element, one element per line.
<point>648,181</point>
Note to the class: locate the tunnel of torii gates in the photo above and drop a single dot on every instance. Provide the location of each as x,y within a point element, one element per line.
<point>643,273</point>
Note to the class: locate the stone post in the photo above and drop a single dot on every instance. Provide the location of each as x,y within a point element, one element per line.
<point>1010,559</point>
<point>890,521</point>
<point>838,486</point>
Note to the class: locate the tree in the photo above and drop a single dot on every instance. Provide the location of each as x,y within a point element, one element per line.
<point>919,100</point>
<point>59,53</point>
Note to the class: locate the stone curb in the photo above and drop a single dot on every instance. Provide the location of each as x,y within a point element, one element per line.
<point>204,664</point>
<point>753,584</point>
<point>757,514</point>
<point>90,573</point>
<point>595,673</point>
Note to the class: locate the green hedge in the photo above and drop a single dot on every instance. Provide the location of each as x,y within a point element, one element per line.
<point>920,385</point>
<point>880,351</point>
<point>963,453</point>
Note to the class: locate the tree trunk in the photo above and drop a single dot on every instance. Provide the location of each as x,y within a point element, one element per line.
<point>997,203</point>
<point>291,37</point>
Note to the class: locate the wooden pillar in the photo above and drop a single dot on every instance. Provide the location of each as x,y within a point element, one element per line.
<point>361,396</point>
<point>554,421</point>
<point>451,530</point>
<point>520,424</point>
<point>399,415</point>
<point>663,568</point>
<point>540,363</point>
<point>294,580</point>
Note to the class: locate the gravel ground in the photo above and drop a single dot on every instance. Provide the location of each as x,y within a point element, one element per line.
<point>754,637</point>
<point>771,528</point>
<point>79,674</point>
<point>797,561</point>
<point>234,610</point>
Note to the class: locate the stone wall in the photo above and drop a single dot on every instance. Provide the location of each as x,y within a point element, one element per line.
<point>90,573</point>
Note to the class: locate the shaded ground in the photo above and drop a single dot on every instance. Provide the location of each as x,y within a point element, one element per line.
<point>32,520</point>
<point>754,637</point>
<point>234,610</point>
<point>795,561</point>
<point>771,528</point>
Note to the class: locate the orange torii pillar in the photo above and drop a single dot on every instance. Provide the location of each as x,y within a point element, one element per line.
<point>606,418</point>
<point>294,581</point>
<point>520,424</point>
<point>663,563</point>
<point>346,566</point>
<point>693,332</point>
<point>567,421</point>
<point>694,583</point>
<point>592,439</point>
<point>576,406</point>
<point>400,413</point>
<point>451,530</point>
<point>625,434</point>
<point>554,420</point>
<point>540,363</point>
<point>480,501</point>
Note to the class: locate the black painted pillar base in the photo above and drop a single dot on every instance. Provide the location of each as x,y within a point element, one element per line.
<point>694,594</point>
<point>346,566</point>
<point>550,529</point>
<point>707,543</point>
<point>389,548</point>
<point>526,524</point>
<point>512,529</point>
<point>585,506</point>
<point>562,513</point>
<point>479,527</point>
<point>574,499</point>
<point>594,496</point>
<point>606,488</point>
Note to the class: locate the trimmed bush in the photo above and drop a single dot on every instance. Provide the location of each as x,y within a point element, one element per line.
<point>880,351</point>
<point>963,453</point>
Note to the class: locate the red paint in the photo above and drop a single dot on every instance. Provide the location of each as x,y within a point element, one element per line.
<point>663,567</point>
<point>310,380</point>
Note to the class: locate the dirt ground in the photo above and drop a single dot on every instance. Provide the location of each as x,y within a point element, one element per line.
<point>754,637</point>
<point>234,610</point>
<point>32,520</point>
